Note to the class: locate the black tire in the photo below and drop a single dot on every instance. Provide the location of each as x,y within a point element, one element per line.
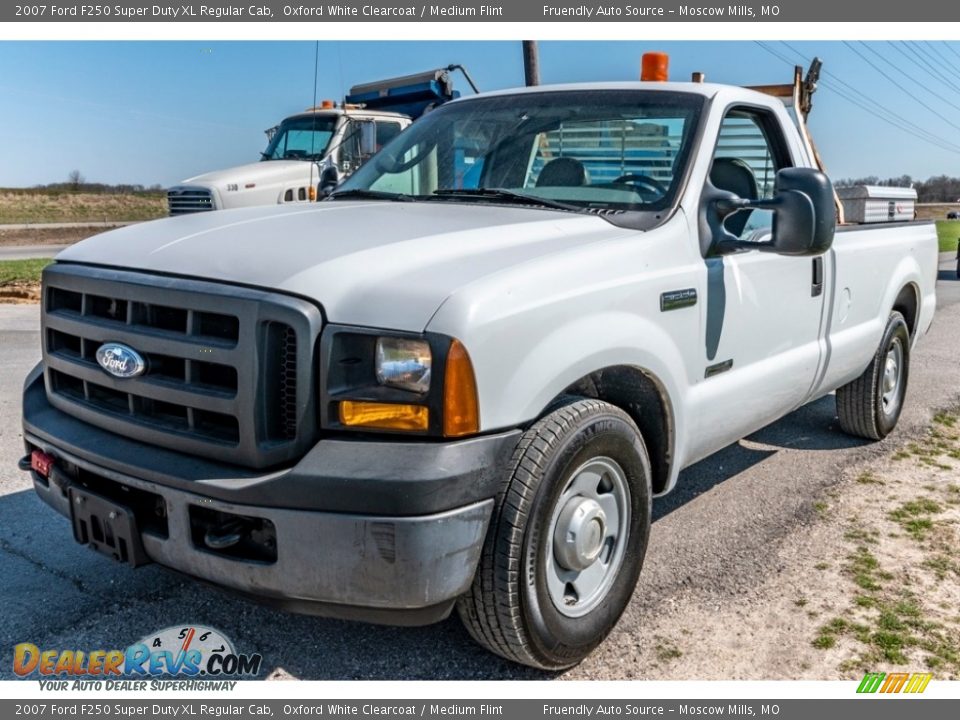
<point>509,609</point>
<point>861,404</point>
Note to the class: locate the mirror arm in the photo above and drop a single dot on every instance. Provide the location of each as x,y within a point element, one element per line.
<point>731,205</point>
<point>725,247</point>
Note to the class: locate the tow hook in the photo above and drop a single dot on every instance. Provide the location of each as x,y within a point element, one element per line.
<point>45,466</point>
<point>226,535</point>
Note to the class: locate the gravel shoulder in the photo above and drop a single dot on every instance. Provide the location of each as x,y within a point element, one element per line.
<point>869,581</point>
<point>22,236</point>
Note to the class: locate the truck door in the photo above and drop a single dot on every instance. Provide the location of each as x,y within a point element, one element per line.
<point>762,315</point>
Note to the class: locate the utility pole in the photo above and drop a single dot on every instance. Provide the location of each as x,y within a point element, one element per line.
<point>531,63</point>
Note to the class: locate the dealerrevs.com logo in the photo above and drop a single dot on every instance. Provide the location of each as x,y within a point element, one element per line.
<point>193,652</point>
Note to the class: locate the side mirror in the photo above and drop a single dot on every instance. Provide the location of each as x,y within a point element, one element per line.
<point>368,137</point>
<point>804,217</point>
<point>328,182</point>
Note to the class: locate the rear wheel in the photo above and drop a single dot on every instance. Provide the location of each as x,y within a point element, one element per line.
<point>567,539</point>
<point>870,406</point>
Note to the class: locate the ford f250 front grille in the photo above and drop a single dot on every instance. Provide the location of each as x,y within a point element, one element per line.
<point>227,371</point>
<point>184,200</point>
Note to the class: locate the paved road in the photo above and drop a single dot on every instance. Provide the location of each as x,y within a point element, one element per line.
<point>712,539</point>
<point>67,225</point>
<point>22,252</point>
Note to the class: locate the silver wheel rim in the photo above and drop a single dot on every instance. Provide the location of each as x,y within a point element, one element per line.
<point>892,377</point>
<point>588,536</point>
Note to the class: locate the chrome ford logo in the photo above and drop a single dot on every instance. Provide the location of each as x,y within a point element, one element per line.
<point>120,360</point>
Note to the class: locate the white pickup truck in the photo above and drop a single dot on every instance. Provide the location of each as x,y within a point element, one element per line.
<point>462,379</point>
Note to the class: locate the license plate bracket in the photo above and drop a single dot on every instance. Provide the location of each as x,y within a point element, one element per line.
<point>108,527</point>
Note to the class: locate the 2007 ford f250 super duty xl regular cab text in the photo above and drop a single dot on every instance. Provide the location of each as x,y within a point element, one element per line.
<point>461,380</point>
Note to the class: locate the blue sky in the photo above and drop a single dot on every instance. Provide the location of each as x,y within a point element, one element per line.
<point>158,112</point>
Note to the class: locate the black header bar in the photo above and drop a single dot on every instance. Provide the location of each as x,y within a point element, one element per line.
<point>292,11</point>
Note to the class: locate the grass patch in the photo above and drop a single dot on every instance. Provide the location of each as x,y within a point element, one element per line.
<point>859,535</point>
<point>824,642</point>
<point>863,568</point>
<point>868,478</point>
<point>947,233</point>
<point>914,518</point>
<point>666,651</point>
<point>942,566</point>
<point>891,645</point>
<point>945,418</point>
<point>46,207</point>
<point>22,271</point>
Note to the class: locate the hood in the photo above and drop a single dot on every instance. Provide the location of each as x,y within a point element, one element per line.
<point>379,264</point>
<point>257,172</point>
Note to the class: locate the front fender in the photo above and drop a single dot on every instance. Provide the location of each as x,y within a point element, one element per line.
<point>517,381</point>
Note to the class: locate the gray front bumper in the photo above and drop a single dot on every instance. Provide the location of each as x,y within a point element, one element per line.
<point>398,570</point>
<point>378,531</point>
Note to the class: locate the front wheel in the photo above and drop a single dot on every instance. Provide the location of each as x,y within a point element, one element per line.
<point>567,539</point>
<point>870,406</point>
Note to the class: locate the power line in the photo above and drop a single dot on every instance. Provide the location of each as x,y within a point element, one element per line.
<point>950,48</point>
<point>879,110</point>
<point>876,107</point>
<point>901,87</point>
<point>912,79</point>
<point>871,106</point>
<point>923,63</point>
<point>941,57</point>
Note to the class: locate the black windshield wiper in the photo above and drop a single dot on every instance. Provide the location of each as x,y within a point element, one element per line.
<point>362,194</point>
<point>508,196</point>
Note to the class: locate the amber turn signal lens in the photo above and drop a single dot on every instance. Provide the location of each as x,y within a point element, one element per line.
<point>461,406</point>
<point>384,416</point>
<point>655,66</point>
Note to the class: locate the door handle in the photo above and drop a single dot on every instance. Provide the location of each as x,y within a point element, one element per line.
<point>816,287</point>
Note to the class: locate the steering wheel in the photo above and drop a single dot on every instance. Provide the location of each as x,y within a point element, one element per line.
<point>643,181</point>
<point>390,163</point>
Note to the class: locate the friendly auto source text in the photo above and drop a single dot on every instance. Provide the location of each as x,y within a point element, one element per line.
<point>601,10</point>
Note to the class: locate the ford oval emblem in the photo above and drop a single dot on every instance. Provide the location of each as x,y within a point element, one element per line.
<point>120,360</point>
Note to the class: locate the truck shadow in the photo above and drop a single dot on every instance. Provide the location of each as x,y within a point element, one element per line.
<point>812,427</point>
<point>57,594</point>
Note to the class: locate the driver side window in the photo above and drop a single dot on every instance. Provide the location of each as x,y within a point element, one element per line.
<point>750,150</point>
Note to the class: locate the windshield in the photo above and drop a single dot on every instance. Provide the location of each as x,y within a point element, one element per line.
<point>302,138</point>
<point>591,149</point>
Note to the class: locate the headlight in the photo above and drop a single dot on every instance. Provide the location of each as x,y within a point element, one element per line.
<point>404,364</point>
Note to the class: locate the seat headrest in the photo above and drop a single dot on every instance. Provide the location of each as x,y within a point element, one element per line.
<point>733,175</point>
<point>562,172</point>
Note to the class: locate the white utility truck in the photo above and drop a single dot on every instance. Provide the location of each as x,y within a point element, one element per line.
<point>460,380</point>
<point>309,153</point>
